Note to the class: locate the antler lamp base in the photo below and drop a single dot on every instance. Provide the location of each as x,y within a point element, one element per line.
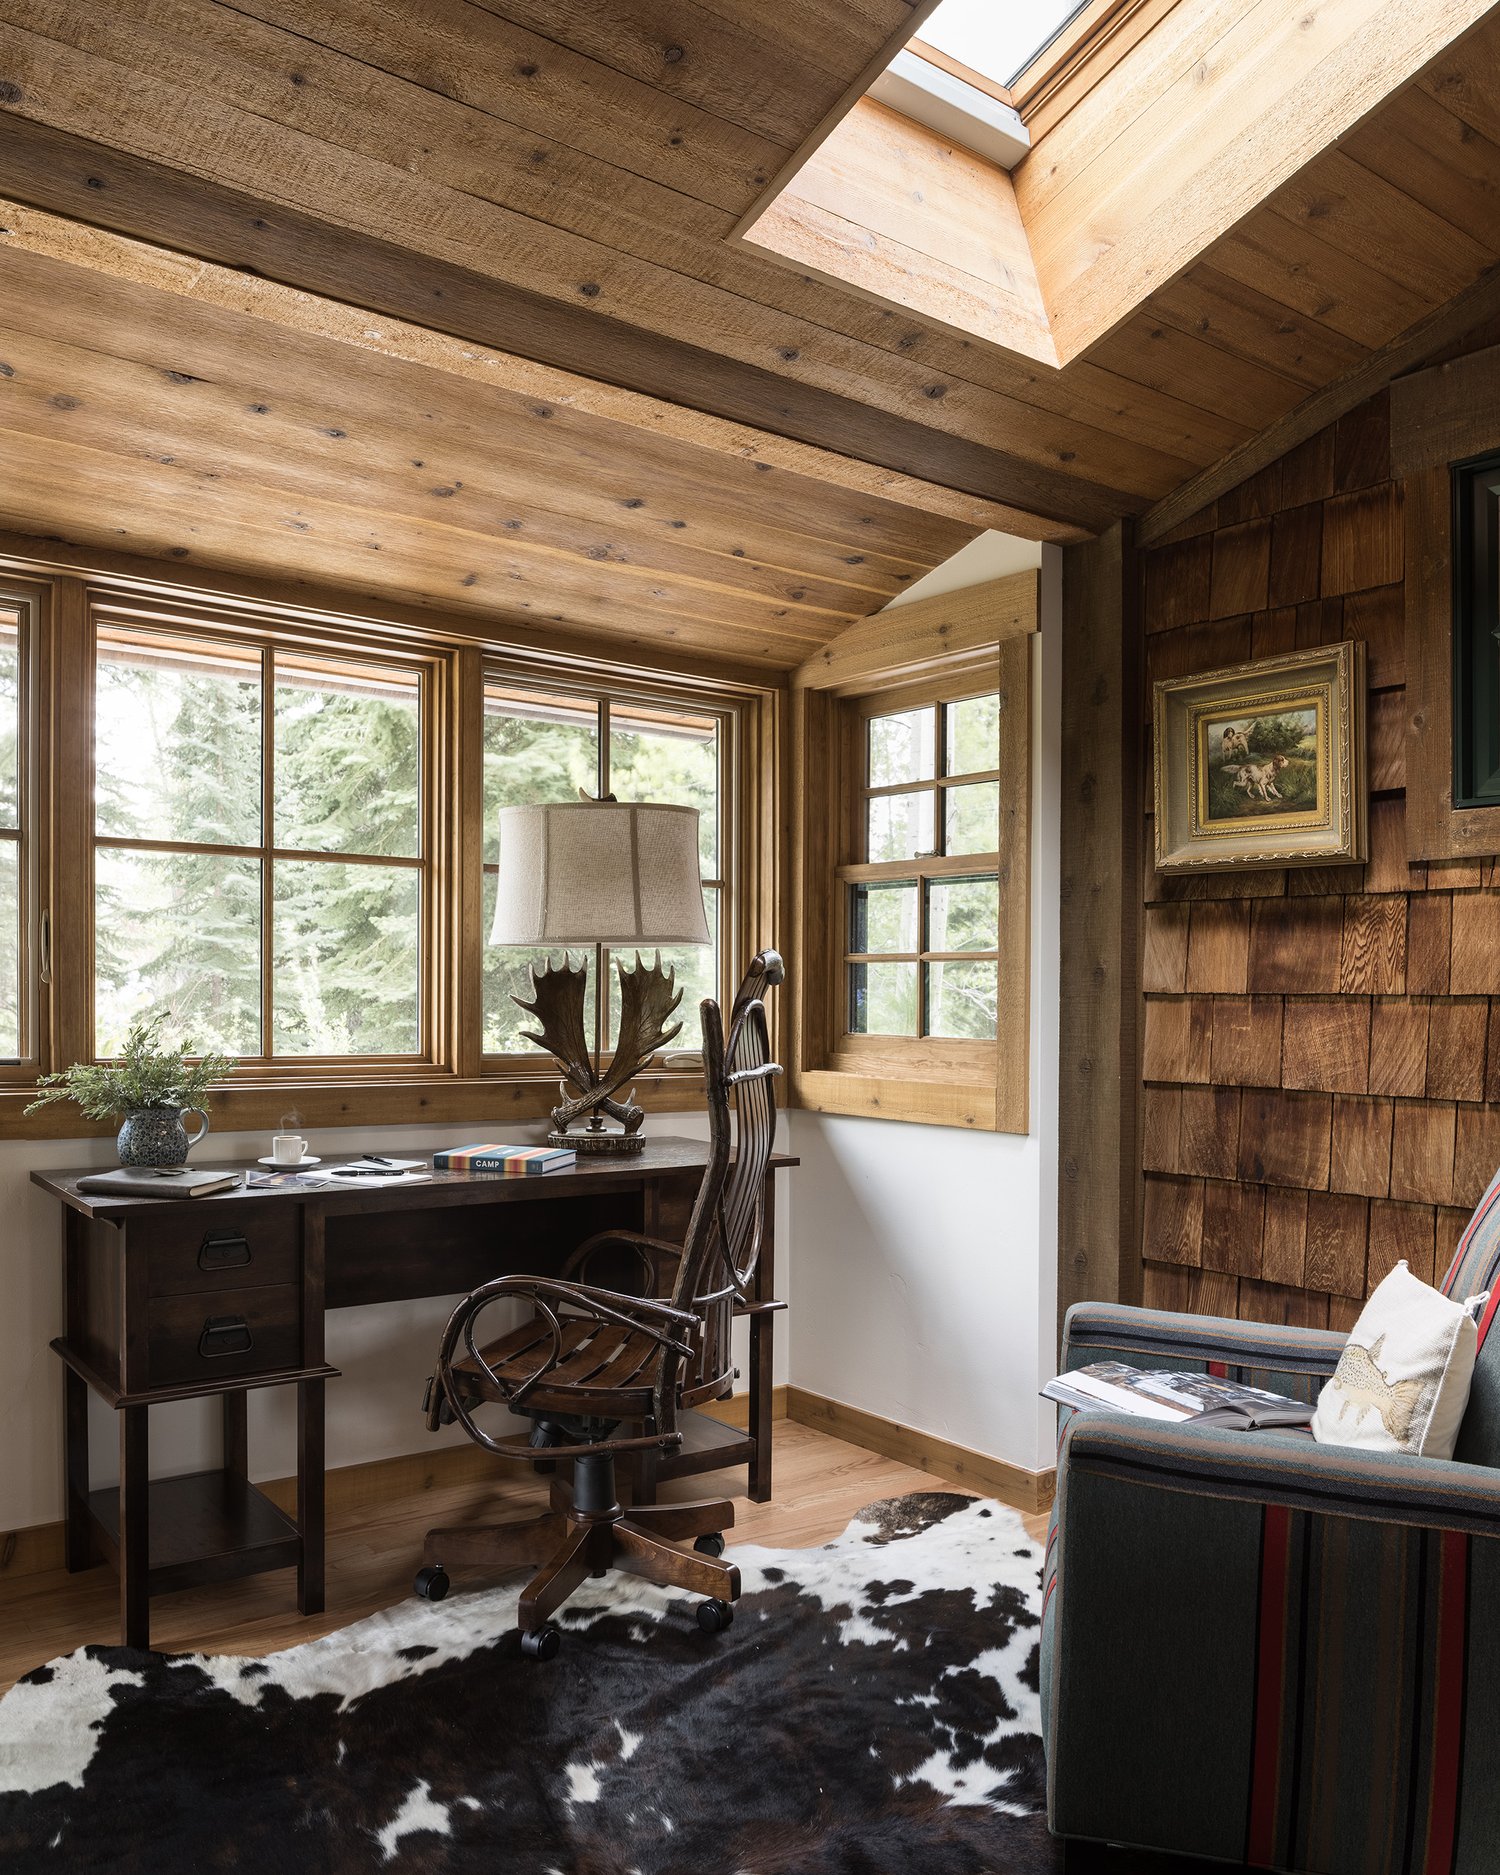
<point>591,1091</point>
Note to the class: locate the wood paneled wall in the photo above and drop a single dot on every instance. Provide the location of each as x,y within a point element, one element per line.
<point>1322,1045</point>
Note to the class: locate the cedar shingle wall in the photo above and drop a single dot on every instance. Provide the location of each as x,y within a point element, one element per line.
<point>1322,1045</point>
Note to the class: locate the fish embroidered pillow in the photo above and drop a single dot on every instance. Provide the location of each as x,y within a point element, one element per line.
<point>1402,1381</point>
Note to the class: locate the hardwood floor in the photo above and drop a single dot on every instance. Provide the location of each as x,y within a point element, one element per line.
<point>373,1552</point>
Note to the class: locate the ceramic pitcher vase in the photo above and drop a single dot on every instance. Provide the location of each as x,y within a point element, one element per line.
<point>157,1136</point>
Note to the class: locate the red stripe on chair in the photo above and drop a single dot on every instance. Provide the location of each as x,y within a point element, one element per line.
<point>1448,1704</point>
<point>1270,1672</point>
<point>1047,1598</point>
<point>1469,1229</point>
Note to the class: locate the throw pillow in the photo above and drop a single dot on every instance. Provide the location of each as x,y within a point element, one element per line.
<point>1402,1381</point>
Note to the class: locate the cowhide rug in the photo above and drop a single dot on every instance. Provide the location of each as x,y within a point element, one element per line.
<point>873,1711</point>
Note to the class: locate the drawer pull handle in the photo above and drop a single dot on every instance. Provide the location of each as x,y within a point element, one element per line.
<point>223,1250</point>
<point>225,1334</point>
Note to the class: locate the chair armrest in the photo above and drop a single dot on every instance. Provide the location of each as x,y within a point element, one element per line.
<point>1286,1469</point>
<point>586,1298</point>
<point>650,1252</point>
<point>1099,1330</point>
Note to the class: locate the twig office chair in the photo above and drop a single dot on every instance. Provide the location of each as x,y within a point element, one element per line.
<point>590,1361</point>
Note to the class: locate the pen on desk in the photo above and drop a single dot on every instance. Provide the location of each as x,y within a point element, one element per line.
<point>375,1159</point>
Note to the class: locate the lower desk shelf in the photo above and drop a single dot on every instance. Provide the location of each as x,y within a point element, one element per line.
<point>208,1526</point>
<point>707,1445</point>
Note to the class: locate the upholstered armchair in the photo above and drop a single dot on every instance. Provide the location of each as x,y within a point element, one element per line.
<point>1263,1650</point>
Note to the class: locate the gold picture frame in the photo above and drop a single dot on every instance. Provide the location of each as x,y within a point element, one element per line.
<point>1262,764</point>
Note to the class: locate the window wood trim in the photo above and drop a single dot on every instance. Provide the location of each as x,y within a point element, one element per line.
<point>1439,417</point>
<point>453,1083</point>
<point>928,1080</point>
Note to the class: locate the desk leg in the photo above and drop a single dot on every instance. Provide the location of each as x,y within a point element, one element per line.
<point>761,1349</point>
<point>135,1528</point>
<point>236,1435</point>
<point>78,1546</point>
<point>310,1495</point>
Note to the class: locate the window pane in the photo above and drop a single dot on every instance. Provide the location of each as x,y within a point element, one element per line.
<point>536,748</point>
<point>10,949</point>
<point>697,976</point>
<point>882,999</point>
<point>972,818</point>
<point>962,1000</point>
<point>963,915</point>
<point>900,826</point>
<point>348,758</point>
<point>177,740</point>
<point>973,735</point>
<point>655,755</point>
<point>10,719</point>
<point>902,748</point>
<point>178,932</point>
<point>346,959</point>
<point>883,918</point>
<point>507,973</point>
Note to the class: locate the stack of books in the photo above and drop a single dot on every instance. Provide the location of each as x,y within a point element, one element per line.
<point>513,1161</point>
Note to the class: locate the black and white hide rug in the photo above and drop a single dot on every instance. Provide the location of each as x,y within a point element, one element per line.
<point>872,1711</point>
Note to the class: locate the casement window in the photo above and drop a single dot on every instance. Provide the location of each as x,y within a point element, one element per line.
<point>917,930</point>
<point>1476,626</point>
<point>553,744</point>
<point>261,854</point>
<point>280,826</point>
<point>23,934</point>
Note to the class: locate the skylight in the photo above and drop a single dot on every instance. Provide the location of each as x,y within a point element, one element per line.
<point>997,41</point>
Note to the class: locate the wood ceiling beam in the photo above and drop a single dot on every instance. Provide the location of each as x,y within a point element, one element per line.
<point>138,263</point>
<point>70,176</point>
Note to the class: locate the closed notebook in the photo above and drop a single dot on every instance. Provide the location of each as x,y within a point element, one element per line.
<point>514,1161</point>
<point>144,1181</point>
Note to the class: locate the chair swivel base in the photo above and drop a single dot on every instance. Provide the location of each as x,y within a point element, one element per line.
<point>587,1533</point>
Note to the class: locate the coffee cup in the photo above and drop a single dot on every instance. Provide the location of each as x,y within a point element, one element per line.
<point>288,1148</point>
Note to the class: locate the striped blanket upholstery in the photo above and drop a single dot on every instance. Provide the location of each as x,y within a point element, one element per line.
<point>1262,1650</point>
<point>1475,1268</point>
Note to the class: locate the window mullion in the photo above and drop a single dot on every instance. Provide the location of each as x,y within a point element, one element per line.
<point>267,842</point>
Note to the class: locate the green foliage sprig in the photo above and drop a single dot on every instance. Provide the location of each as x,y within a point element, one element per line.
<point>146,1075</point>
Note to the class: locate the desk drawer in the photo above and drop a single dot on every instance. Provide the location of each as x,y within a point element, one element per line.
<point>219,1336</point>
<point>187,1255</point>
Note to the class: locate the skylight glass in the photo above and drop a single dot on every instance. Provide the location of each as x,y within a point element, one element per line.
<point>997,38</point>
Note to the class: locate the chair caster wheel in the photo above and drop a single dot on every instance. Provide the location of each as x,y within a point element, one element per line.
<point>543,1643</point>
<point>710,1545</point>
<point>432,1583</point>
<point>715,1616</point>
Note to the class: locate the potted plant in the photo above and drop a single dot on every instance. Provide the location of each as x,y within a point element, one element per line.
<point>150,1089</point>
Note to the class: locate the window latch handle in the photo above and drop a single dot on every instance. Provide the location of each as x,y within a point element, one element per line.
<point>44,946</point>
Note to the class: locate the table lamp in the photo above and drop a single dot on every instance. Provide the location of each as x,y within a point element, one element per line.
<point>602,873</point>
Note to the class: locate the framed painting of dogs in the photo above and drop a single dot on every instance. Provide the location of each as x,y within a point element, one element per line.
<point>1263,764</point>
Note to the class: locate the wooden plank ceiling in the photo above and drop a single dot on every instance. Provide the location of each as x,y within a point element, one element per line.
<point>557,182</point>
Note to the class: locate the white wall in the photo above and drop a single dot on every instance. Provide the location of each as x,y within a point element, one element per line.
<point>384,1351</point>
<point>924,1287</point>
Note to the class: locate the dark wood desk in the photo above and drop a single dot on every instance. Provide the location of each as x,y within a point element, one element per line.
<point>176,1299</point>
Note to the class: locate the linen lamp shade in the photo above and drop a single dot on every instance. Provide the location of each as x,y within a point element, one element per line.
<point>620,873</point>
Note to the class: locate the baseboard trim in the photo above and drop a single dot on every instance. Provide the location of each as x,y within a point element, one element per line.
<point>368,1486</point>
<point>1026,1490</point>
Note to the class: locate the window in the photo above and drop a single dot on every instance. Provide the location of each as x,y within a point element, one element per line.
<point>15,1016</point>
<point>997,41</point>
<point>923,904</point>
<point>260,858</point>
<point>544,745</point>
<point>276,823</point>
<point>1476,633</point>
<point>913,873</point>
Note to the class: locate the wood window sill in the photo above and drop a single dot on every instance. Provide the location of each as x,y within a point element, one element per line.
<point>971,1105</point>
<point>428,1099</point>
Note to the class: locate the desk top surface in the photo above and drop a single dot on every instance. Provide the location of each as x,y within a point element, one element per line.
<point>659,1158</point>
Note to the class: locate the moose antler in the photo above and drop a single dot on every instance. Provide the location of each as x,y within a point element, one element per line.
<point>648,998</point>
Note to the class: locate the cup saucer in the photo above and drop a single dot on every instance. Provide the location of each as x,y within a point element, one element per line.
<point>297,1165</point>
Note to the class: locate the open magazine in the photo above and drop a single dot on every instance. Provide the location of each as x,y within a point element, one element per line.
<point>1111,1386</point>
